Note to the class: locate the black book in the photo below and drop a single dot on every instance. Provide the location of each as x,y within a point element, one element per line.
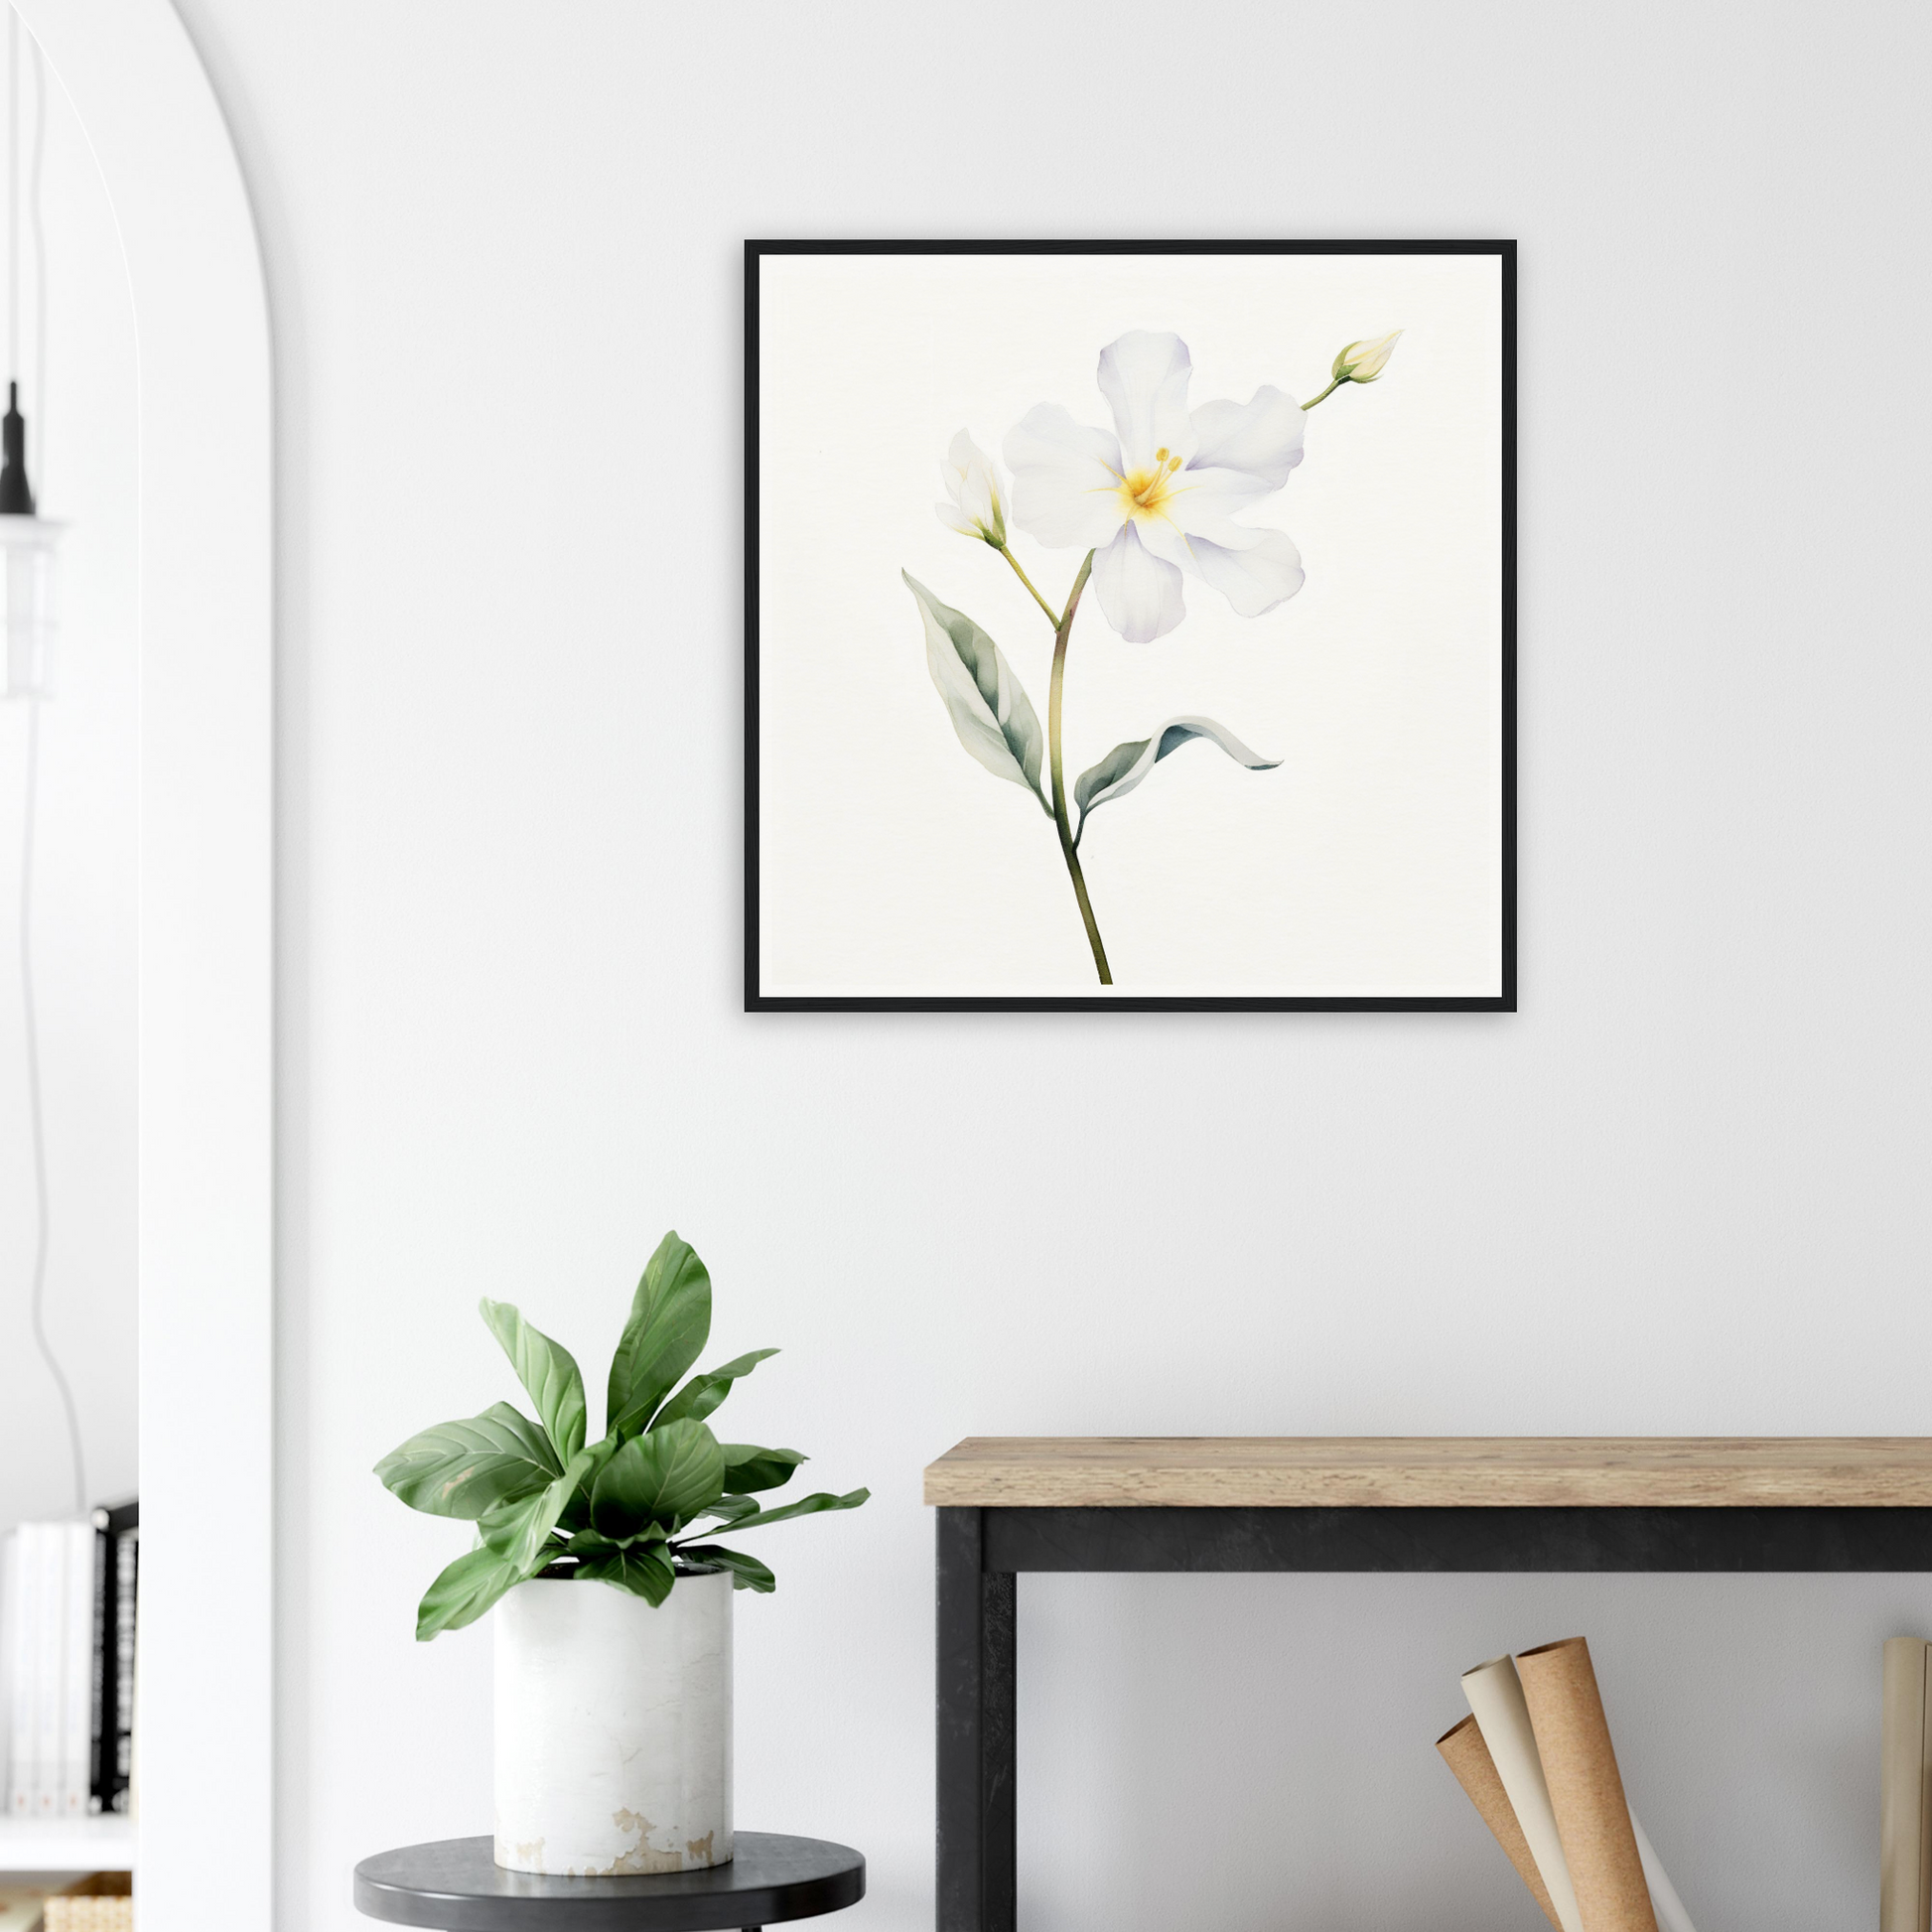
<point>117,1558</point>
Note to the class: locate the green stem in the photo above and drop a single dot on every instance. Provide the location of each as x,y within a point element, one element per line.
<point>1327,393</point>
<point>1062,631</point>
<point>1029,582</point>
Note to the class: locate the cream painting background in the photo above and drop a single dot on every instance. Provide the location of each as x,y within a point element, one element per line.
<point>1366,864</point>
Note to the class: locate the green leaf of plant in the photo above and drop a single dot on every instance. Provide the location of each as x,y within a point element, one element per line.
<point>749,1468</point>
<point>670,1321</point>
<point>520,1532</point>
<point>1127,764</point>
<point>748,1572</point>
<point>577,1510</point>
<point>805,1506</point>
<point>644,1571</point>
<point>463,1592</point>
<point>467,1469</point>
<point>666,1476</point>
<point>991,713</point>
<point>547,1369</point>
<point>703,1393</point>
<point>732,1510</point>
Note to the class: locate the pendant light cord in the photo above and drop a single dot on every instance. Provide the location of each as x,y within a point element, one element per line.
<point>38,471</point>
<point>30,1012</point>
<point>43,1219</point>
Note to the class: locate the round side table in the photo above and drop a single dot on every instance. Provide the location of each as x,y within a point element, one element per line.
<point>457,1885</point>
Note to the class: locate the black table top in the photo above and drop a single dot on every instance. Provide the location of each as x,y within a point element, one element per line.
<point>457,1885</point>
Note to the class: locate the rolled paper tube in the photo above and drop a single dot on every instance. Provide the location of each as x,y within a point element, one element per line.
<point>1902,1789</point>
<point>1496,1698</point>
<point>1468,1757</point>
<point>1664,1901</point>
<point>1572,1739</point>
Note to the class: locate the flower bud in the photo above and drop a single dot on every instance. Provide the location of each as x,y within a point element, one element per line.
<point>1364,361</point>
<point>973,486</point>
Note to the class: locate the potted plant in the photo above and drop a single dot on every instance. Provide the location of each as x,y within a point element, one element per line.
<point>614,1713</point>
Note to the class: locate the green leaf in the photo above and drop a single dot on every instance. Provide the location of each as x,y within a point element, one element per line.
<point>588,1542</point>
<point>577,1511</point>
<point>520,1532</point>
<point>991,713</point>
<point>732,1510</point>
<point>547,1369</point>
<point>665,1476</point>
<point>748,1468</point>
<point>1127,764</point>
<point>467,1469</point>
<point>463,1592</point>
<point>805,1506</point>
<point>748,1572</point>
<point>703,1393</point>
<point>644,1571</point>
<point>670,1320</point>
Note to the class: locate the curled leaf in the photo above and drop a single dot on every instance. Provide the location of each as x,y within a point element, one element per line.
<point>1126,766</point>
<point>748,1572</point>
<point>703,1393</point>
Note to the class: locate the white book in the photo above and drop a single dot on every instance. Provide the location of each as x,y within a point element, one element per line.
<point>23,1645</point>
<point>49,1582</point>
<point>78,1670</point>
<point>9,1628</point>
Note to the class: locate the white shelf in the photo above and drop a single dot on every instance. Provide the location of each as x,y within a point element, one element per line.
<point>66,1843</point>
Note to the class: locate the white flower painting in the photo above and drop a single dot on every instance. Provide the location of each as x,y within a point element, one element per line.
<point>1153,502</point>
<point>1152,505</point>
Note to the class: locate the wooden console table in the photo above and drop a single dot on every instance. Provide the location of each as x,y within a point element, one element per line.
<point>1008,1504</point>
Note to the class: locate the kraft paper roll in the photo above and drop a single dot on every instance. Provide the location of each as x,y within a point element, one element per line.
<point>1904,1891</point>
<point>1572,1739</point>
<point>1468,1757</point>
<point>1496,1698</point>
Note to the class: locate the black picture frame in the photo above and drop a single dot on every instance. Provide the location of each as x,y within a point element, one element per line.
<point>1503,1001</point>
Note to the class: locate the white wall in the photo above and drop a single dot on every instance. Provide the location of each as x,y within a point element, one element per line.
<point>81,456</point>
<point>1679,1191</point>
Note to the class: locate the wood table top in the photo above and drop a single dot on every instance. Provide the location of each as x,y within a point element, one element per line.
<point>1438,1471</point>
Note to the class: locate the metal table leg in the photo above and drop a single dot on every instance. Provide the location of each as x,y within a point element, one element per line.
<point>975,1888</point>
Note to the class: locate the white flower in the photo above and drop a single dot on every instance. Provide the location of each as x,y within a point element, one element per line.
<point>1364,361</point>
<point>973,485</point>
<point>1158,496</point>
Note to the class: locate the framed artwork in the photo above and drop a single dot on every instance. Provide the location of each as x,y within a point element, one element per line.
<point>1197,691</point>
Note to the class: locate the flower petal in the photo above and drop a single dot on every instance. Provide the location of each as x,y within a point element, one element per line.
<point>1065,478</point>
<point>1261,437</point>
<point>1204,504</point>
<point>955,518</point>
<point>1255,579</point>
<point>1144,377</point>
<point>972,481</point>
<point>1140,593</point>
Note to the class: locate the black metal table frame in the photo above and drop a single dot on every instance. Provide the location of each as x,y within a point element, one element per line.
<point>982,1553</point>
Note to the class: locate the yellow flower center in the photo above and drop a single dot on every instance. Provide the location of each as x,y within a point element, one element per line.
<point>1143,492</point>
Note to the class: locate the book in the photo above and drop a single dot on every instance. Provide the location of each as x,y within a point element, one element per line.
<point>127,1573</point>
<point>116,1529</point>
<point>47,1580</point>
<point>77,1668</point>
<point>12,1669</point>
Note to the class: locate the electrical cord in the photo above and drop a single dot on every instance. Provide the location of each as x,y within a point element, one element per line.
<point>30,1013</point>
<point>37,1123</point>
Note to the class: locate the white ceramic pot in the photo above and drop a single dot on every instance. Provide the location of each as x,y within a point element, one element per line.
<point>613,1728</point>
